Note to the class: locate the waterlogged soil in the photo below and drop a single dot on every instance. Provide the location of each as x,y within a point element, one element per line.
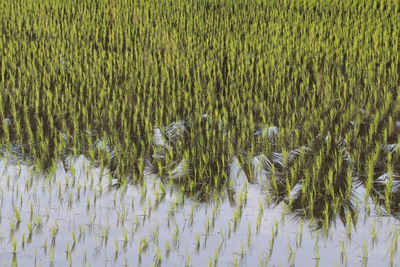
<point>84,218</point>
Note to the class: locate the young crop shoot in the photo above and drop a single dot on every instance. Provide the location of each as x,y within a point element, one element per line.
<point>190,133</point>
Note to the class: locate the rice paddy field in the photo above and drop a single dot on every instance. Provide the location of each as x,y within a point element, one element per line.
<point>199,133</point>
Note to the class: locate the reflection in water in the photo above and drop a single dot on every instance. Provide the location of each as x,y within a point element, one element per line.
<point>192,177</point>
<point>318,181</point>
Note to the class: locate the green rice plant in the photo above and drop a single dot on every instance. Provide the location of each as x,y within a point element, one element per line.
<point>176,234</point>
<point>249,236</point>
<point>207,226</point>
<point>14,262</point>
<point>299,235</point>
<point>116,244</point>
<point>51,255</point>
<point>105,231</point>
<point>365,253</point>
<point>14,245</point>
<point>187,261</point>
<point>342,251</point>
<point>236,218</point>
<point>155,233</point>
<point>210,262</point>
<point>125,238</point>
<point>236,262</point>
<point>259,216</point>
<point>271,244</point>
<point>292,255</point>
<point>45,246</point>
<point>182,88</point>
<point>68,253</point>
<point>30,228</point>
<point>197,242</point>
<point>23,241</point>
<point>242,250</point>
<point>54,232</point>
<point>374,234</point>
<point>158,256</point>
<point>191,215</point>
<point>167,248</point>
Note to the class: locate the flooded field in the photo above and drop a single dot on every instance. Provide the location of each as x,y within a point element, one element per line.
<point>81,214</point>
<point>79,218</point>
<point>199,133</point>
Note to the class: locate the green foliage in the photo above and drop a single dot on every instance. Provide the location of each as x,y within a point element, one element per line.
<point>100,78</point>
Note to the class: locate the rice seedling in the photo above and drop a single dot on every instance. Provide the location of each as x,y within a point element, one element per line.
<point>167,248</point>
<point>54,232</point>
<point>125,238</point>
<point>14,245</point>
<point>176,235</point>
<point>235,113</point>
<point>197,242</point>
<point>68,254</point>
<point>143,245</point>
<point>292,255</point>
<point>249,236</point>
<point>158,256</point>
<point>187,261</point>
<point>51,255</point>
<point>236,262</point>
<point>364,254</point>
<point>45,246</point>
<point>342,251</point>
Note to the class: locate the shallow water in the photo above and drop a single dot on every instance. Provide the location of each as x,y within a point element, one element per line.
<point>85,207</point>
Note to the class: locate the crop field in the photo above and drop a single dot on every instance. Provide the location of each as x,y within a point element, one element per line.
<point>199,133</point>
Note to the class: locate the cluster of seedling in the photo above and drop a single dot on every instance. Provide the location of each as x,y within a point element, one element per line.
<point>291,105</point>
